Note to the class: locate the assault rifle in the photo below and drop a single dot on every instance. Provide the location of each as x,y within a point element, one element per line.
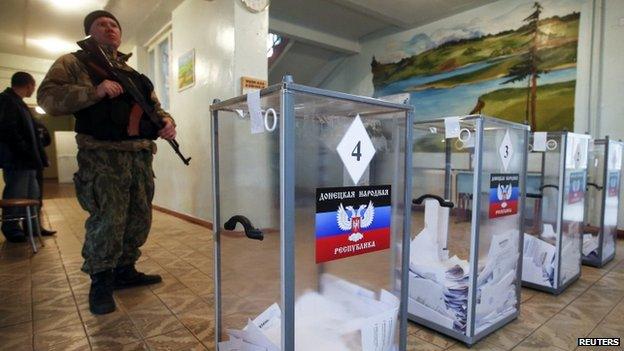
<point>101,62</point>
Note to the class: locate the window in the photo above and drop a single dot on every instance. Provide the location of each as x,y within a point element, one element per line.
<point>273,40</point>
<point>159,70</point>
<point>163,76</point>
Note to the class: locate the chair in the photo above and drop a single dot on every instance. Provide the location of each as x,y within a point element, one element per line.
<point>31,216</point>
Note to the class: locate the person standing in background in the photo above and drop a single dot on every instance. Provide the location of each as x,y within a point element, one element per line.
<point>25,150</point>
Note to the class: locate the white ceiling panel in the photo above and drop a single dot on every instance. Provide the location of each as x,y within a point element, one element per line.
<point>48,28</point>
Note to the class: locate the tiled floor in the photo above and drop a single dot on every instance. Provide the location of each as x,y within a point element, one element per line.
<point>43,297</point>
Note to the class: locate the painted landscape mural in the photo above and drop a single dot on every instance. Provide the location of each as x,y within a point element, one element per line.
<point>515,60</point>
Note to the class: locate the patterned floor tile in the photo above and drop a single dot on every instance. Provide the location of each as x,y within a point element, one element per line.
<point>155,322</point>
<point>15,314</point>
<point>16,337</point>
<point>115,338</point>
<point>70,345</point>
<point>177,340</point>
<point>55,307</point>
<point>70,336</point>
<point>434,338</point>
<point>56,321</point>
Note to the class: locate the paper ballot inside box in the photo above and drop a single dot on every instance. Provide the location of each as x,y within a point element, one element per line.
<point>538,261</point>
<point>590,244</point>
<point>344,316</point>
<point>430,245</point>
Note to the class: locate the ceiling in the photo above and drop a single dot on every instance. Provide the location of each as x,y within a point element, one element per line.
<point>27,27</point>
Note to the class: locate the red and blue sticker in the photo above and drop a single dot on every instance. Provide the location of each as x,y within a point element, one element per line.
<point>576,187</point>
<point>614,184</point>
<point>352,221</point>
<point>504,194</point>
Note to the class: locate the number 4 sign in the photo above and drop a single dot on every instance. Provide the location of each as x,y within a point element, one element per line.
<point>356,149</point>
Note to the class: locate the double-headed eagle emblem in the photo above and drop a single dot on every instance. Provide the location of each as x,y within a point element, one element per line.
<point>503,193</point>
<point>356,220</point>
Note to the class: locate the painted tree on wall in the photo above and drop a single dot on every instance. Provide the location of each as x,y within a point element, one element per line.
<point>528,67</point>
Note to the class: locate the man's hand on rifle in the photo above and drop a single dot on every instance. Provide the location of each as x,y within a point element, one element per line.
<point>168,132</point>
<point>108,88</point>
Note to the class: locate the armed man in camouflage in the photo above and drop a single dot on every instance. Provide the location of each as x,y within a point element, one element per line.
<point>115,181</point>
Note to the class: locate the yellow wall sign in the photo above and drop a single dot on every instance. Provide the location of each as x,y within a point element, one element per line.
<point>250,84</point>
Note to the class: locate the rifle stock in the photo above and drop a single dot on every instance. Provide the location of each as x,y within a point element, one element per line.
<point>97,54</point>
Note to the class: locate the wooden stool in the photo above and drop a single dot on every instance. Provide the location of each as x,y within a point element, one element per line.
<point>31,214</point>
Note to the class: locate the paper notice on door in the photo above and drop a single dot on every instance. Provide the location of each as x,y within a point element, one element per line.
<point>539,141</point>
<point>255,112</point>
<point>451,127</point>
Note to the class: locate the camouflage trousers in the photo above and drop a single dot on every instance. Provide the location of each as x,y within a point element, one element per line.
<point>116,188</point>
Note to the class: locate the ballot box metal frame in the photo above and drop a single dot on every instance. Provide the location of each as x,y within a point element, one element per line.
<point>471,337</point>
<point>563,144</point>
<point>600,260</point>
<point>287,90</point>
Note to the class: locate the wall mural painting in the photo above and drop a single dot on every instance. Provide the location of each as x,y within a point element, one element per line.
<point>513,59</point>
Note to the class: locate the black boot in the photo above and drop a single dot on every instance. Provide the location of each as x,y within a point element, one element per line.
<point>101,293</point>
<point>128,277</point>
<point>46,232</point>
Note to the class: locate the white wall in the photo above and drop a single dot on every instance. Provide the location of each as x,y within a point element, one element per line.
<point>227,42</point>
<point>10,64</point>
<point>610,102</point>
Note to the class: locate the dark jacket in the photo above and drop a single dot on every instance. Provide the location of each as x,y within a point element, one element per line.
<point>19,133</point>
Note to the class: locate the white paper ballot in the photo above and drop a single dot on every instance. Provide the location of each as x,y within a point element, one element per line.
<point>538,261</point>
<point>539,141</point>
<point>496,296</point>
<point>253,335</point>
<point>533,273</point>
<point>503,247</point>
<point>235,344</point>
<point>548,232</point>
<point>268,318</point>
<point>451,127</point>
<point>438,287</point>
<point>378,331</point>
<point>344,317</point>
<point>255,112</point>
<point>416,308</point>
<point>437,220</point>
<point>570,258</point>
<point>428,293</point>
<point>590,244</point>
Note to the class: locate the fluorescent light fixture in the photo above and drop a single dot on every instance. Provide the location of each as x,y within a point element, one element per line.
<point>78,5</point>
<point>53,45</point>
<point>40,110</point>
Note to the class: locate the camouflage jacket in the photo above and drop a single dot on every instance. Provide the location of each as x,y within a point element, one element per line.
<point>67,88</point>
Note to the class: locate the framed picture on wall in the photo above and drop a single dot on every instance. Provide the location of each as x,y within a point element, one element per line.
<point>186,70</point>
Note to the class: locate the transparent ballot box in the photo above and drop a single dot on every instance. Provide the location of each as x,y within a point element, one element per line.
<point>465,250</point>
<point>556,180</point>
<point>310,219</point>
<point>602,197</point>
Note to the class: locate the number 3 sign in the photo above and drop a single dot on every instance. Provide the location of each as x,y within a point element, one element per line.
<point>356,149</point>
